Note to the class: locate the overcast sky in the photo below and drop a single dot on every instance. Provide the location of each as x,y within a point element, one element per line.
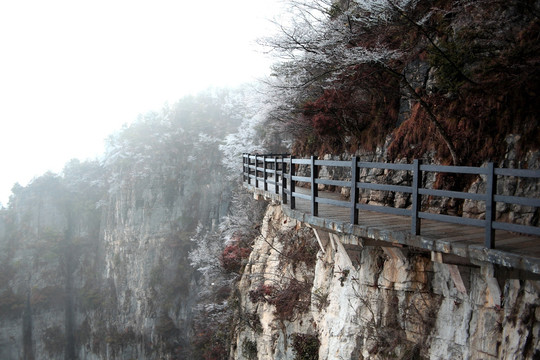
<point>72,72</point>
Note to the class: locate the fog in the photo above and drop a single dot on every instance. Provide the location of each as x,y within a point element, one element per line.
<point>72,72</point>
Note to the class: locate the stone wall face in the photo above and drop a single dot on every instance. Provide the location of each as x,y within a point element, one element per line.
<point>376,302</point>
<point>512,186</point>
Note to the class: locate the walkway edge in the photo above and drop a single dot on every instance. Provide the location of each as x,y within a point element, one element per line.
<point>475,253</point>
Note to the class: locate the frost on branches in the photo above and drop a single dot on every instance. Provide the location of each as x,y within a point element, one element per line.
<point>321,44</point>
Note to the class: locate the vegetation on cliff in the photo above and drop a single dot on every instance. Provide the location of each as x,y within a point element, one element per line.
<point>142,250</point>
<point>102,248</point>
<point>453,77</point>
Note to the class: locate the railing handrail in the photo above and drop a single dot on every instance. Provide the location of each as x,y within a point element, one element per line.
<point>277,164</point>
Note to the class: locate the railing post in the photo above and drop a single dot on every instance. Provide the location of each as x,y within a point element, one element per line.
<point>265,175</point>
<point>293,185</point>
<point>246,168</point>
<point>314,187</point>
<point>256,171</point>
<point>283,181</point>
<point>243,167</point>
<point>416,200</point>
<point>276,175</point>
<point>491,208</point>
<point>354,190</point>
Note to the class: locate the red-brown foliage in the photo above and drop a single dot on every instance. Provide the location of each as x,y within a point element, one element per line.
<point>212,334</point>
<point>487,86</point>
<point>262,293</point>
<point>207,344</point>
<point>299,246</point>
<point>233,256</point>
<point>359,112</point>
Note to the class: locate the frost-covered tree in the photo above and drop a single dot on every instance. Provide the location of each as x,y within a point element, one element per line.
<point>219,257</point>
<point>256,133</point>
<point>328,46</point>
<point>239,228</point>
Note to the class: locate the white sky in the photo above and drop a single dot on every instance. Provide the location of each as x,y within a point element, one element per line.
<point>73,71</point>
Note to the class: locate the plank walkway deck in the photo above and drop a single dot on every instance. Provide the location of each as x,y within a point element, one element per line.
<point>513,250</point>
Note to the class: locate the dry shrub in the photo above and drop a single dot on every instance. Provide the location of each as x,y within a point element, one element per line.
<point>306,347</point>
<point>233,256</point>
<point>292,299</point>
<point>300,246</point>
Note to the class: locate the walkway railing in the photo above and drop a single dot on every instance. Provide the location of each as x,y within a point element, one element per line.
<point>279,170</point>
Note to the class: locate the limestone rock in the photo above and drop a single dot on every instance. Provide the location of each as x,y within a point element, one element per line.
<point>390,303</point>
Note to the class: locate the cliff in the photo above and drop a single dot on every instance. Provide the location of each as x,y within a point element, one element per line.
<point>306,295</point>
<point>149,252</point>
<point>94,261</point>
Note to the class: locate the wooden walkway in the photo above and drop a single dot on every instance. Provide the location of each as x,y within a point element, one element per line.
<point>513,250</point>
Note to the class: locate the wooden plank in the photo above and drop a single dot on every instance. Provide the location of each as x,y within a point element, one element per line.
<point>378,215</point>
<point>384,210</point>
<point>341,214</point>
<point>453,169</point>
<point>451,219</point>
<point>393,231</point>
<point>463,237</point>
<point>395,228</point>
<point>517,243</point>
<point>382,221</point>
<point>445,230</point>
<point>455,238</point>
<point>518,172</point>
<point>513,238</point>
<point>430,224</point>
<point>457,231</point>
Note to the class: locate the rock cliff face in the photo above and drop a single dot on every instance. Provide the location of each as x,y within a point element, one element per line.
<point>338,301</point>
<point>94,262</point>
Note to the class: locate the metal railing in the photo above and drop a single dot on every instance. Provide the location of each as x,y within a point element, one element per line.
<point>280,170</point>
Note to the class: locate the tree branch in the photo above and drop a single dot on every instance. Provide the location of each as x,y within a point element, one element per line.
<point>438,126</point>
<point>431,41</point>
